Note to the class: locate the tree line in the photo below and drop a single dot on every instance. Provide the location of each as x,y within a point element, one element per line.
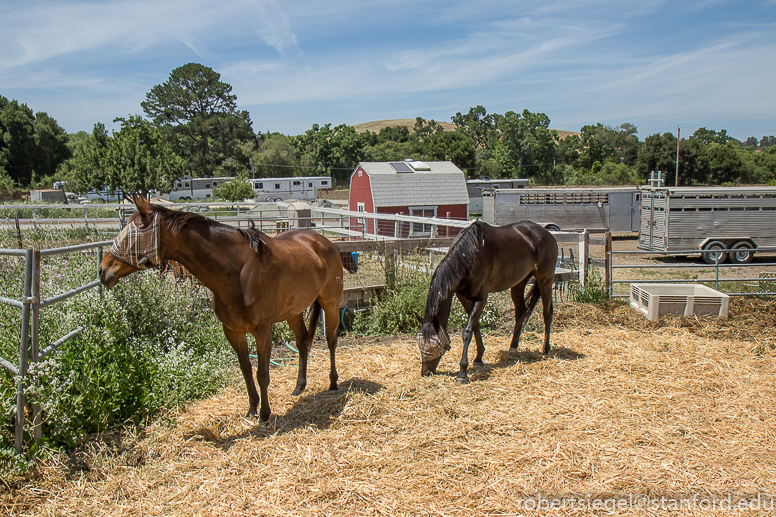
<point>193,126</point>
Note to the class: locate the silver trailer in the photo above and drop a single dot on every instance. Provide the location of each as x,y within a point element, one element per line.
<point>614,209</point>
<point>475,188</point>
<point>708,219</point>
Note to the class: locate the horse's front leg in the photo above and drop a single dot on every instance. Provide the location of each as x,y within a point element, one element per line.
<point>467,306</point>
<point>474,316</point>
<point>240,345</point>
<point>263,337</point>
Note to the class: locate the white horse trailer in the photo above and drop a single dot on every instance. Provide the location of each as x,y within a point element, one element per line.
<point>614,209</point>
<point>282,189</point>
<point>189,189</point>
<point>475,188</point>
<point>708,219</point>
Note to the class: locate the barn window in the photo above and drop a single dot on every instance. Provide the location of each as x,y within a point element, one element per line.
<point>361,207</point>
<point>421,211</point>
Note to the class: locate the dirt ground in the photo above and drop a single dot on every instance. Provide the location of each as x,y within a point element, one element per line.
<point>624,412</point>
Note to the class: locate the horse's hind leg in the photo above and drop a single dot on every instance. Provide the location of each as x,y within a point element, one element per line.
<point>240,345</point>
<point>467,306</point>
<point>332,315</point>
<point>518,300</point>
<point>545,288</point>
<point>303,342</point>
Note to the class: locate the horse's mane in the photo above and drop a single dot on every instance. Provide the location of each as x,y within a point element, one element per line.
<point>453,267</point>
<point>177,221</point>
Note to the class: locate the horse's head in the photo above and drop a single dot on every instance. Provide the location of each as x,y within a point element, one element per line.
<point>135,248</point>
<point>433,342</point>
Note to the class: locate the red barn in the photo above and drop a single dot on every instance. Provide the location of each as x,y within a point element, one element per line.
<point>425,189</point>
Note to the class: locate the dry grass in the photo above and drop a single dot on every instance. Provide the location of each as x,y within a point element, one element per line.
<point>621,406</point>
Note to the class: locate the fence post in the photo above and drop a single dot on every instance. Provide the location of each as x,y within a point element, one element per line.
<point>35,335</point>
<point>584,254</point>
<point>608,263</point>
<point>99,261</point>
<point>23,351</point>
<point>390,264</point>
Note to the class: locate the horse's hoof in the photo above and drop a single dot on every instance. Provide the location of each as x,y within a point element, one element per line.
<point>462,380</point>
<point>251,413</point>
<point>478,364</point>
<point>298,391</point>
<point>333,387</point>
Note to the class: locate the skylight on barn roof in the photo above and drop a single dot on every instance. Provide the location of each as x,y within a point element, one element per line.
<point>400,166</point>
<point>420,166</point>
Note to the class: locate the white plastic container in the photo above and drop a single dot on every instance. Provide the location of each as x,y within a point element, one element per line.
<point>655,300</point>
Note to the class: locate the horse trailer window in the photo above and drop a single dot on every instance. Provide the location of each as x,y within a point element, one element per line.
<point>277,186</point>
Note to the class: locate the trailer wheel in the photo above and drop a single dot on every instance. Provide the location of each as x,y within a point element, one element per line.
<point>711,256</point>
<point>741,253</point>
<point>552,227</point>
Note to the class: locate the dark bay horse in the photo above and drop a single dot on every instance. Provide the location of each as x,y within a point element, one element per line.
<point>256,281</point>
<point>486,259</point>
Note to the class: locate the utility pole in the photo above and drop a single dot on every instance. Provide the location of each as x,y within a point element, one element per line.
<point>676,184</point>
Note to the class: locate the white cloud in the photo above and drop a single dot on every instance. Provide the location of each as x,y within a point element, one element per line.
<point>274,27</point>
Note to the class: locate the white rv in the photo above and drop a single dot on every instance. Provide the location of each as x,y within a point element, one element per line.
<point>189,189</point>
<point>282,189</point>
<point>708,219</point>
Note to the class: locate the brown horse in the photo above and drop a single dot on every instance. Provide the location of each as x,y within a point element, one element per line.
<point>486,259</point>
<point>256,281</point>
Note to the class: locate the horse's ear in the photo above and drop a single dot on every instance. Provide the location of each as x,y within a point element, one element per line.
<point>142,204</point>
<point>420,320</point>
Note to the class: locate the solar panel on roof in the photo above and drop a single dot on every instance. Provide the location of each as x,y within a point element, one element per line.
<point>400,166</point>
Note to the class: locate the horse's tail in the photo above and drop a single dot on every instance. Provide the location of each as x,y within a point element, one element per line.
<point>533,299</point>
<point>315,313</point>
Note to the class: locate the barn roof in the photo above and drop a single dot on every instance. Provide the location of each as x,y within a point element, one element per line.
<point>428,184</point>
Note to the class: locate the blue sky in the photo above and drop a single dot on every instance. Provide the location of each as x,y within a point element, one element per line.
<point>656,64</point>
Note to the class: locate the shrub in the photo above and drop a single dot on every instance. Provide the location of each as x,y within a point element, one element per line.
<point>594,290</point>
<point>149,345</point>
